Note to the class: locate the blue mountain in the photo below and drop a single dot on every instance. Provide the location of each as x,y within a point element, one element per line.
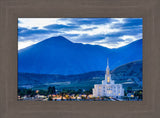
<point>58,55</point>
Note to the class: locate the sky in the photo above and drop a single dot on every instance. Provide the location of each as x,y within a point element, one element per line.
<point>106,32</point>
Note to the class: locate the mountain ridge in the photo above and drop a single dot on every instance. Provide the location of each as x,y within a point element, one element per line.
<point>58,55</point>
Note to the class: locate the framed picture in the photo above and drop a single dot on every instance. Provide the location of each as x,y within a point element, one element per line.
<point>79,59</point>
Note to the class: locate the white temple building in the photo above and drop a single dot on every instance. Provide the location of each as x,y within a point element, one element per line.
<point>108,87</point>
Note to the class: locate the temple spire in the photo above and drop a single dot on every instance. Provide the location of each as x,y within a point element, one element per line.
<point>107,69</point>
<point>107,63</point>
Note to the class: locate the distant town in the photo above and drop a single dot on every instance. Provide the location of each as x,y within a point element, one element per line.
<point>71,95</point>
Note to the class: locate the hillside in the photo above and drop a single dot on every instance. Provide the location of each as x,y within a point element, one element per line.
<point>130,75</point>
<point>58,55</point>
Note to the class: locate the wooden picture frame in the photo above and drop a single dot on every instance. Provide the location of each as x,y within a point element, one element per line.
<point>11,10</point>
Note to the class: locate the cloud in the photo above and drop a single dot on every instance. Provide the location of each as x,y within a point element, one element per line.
<point>107,28</point>
<point>89,21</point>
<point>131,38</point>
<point>107,32</point>
<point>106,42</point>
<point>24,32</point>
<point>39,22</point>
<point>112,42</point>
<point>61,27</point>
<point>24,44</point>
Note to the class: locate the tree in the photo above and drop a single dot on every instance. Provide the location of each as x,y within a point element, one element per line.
<point>51,90</point>
<point>125,93</point>
<point>139,94</point>
<point>43,92</point>
<point>50,98</point>
<point>33,93</point>
<point>62,93</point>
<point>28,91</point>
<point>129,89</point>
<point>22,92</point>
<point>79,91</point>
<point>87,93</point>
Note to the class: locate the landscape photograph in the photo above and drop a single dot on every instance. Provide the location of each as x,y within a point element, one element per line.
<point>80,59</point>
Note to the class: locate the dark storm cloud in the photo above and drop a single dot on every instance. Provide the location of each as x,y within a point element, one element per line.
<point>59,27</point>
<point>87,38</point>
<point>24,32</point>
<point>90,21</point>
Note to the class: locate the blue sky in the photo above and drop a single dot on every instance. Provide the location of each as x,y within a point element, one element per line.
<point>107,32</point>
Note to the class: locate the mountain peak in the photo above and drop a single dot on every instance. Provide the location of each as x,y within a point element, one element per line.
<point>57,39</point>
